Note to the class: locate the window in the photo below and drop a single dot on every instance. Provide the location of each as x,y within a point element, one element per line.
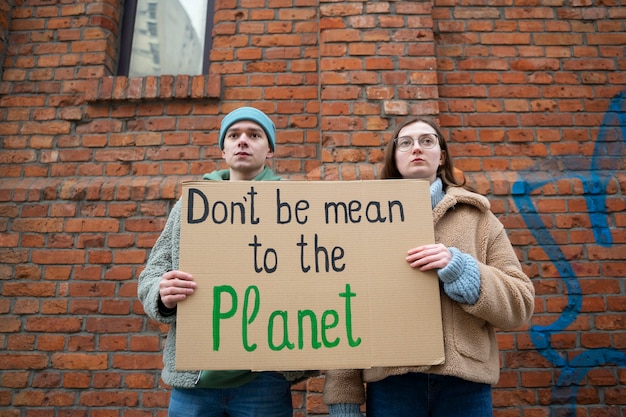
<point>162,37</point>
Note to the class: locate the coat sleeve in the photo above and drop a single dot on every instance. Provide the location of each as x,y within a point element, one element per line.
<point>507,295</point>
<point>344,386</point>
<point>163,258</point>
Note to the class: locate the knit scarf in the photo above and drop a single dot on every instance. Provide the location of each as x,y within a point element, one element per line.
<point>436,192</point>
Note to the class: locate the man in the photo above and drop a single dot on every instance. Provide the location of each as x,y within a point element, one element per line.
<point>247,138</point>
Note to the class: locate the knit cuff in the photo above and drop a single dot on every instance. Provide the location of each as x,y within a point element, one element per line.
<point>164,310</point>
<point>344,410</point>
<point>461,278</point>
<point>454,269</point>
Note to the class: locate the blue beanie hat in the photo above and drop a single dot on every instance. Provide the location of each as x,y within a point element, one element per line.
<point>253,115</point>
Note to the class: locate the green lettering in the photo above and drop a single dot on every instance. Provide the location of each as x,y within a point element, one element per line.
<point>270,332</point>
<point>315,344</point>
<point>218,314</point>
<point>347,295</point>
<point>245,321</point>
<point>331,325</point>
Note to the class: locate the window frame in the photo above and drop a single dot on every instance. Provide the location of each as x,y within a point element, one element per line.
<point>128,29</point>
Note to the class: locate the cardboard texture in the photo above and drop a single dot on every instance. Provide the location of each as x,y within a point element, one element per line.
<point>307,275</point>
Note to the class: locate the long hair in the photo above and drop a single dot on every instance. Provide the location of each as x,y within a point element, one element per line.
<point>445,171</point>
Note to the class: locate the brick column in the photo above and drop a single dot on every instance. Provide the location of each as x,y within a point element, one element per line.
<point>377,65</point>
<point>5,7</point>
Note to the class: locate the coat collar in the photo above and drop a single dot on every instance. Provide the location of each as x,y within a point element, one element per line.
<point>456,196</point>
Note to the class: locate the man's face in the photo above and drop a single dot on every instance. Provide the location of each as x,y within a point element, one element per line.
<point>246,147</point>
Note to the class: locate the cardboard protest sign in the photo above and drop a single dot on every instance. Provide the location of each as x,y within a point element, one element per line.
<point>306,275</point>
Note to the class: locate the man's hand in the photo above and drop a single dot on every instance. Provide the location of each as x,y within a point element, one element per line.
<point>175,286</point>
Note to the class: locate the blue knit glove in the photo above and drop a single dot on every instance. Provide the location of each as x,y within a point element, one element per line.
<point>461,278</point>
<point>344,410</point>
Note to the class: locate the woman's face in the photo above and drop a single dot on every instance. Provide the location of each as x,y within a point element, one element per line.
<point>417,162</point>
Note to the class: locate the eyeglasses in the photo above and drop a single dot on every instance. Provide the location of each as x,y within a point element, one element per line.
<point>426,141</point>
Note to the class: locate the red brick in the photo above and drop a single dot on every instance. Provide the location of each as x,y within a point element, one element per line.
<point>23,361</point>
<point>490,77</point>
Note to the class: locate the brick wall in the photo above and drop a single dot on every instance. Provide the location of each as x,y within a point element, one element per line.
<point>530,94</point>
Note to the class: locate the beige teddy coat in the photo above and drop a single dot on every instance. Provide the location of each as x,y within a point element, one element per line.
<point>463,220</point>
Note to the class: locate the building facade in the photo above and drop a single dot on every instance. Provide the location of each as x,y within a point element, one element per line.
<point>531,96</point>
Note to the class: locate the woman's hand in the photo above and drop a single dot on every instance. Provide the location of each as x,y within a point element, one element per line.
<point>426,257</point>
<point>175,286</point>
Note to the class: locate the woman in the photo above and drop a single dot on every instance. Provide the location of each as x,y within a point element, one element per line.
<point>483,288</point>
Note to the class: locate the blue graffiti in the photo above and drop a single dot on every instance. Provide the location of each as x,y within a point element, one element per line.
<point>608,157</point>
